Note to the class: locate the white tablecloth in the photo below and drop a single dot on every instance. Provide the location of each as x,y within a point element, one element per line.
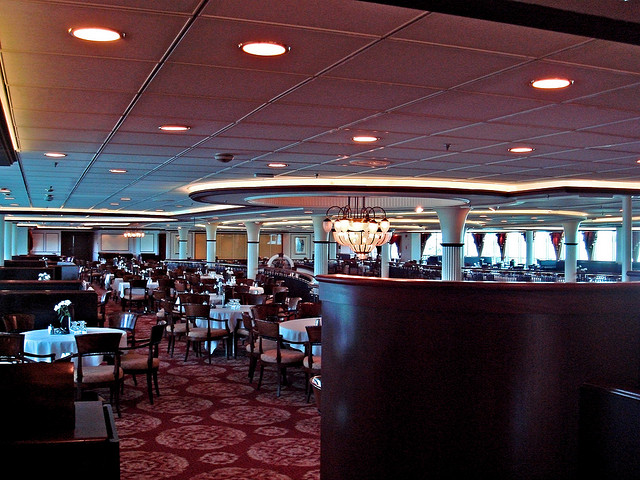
<point>43,343</point>
<point>232,314</point>
<point>295,333</point>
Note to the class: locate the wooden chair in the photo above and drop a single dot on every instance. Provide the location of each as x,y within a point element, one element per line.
<point>280,357</point>
<point>12,350</point>
<point>269,311</point>
<point>200,335</point>
<point>136,295</point>
<point>176,329</point>
<point>125,321</point>
<point>280,293</point>
<point>255,299</point>
<point>245,328</point>
<point>18,322</point>
<point>102,305</point>
<point>312,364</point>
<point>309,309</point>
<point>146,363</point>
<point>103,375</point>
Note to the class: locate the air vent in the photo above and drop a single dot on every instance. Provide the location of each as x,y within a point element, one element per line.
<point>263,175</point>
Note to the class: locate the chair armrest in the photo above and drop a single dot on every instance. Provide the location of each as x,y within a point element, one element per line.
<point>51,356</point>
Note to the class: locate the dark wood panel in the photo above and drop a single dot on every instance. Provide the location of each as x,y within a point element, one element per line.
<point>40,285</point>
<point>465,379</point>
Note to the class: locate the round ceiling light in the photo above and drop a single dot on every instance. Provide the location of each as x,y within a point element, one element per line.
<point>96,34</point>
<point>264,49</point>
<point>521,149</point>
<point>551,83</point>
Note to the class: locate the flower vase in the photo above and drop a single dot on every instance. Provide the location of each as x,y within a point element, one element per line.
<point>65,319</point>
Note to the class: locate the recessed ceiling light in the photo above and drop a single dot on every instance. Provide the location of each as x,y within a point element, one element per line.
<point>637,161</point>
<point>96,34</point>
<point>125,199</point>
<point>5,190</point>
<point>365,139</point>
<point>277,165</point>
<point>174,128</point>
<point>551,83</point>
<point>55,154</point>
<point>264,49</point>
<point>114,203</point>
<point>521,149</point>
<point>117,170</point>
<point>419,209</point>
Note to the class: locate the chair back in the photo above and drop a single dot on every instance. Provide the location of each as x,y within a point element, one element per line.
<point>92,344</point>
<point>309,309</point>
<point>199,298</point>
<point>196,310</point>
<point>267,311</point>
<point>19,322</point>
<point>104,298</point>
<point>138,285</point>
<point>267,330</point>
<point>123,320</point>
<point>11,347</point>
<point>314,334</point>
<point>255,299</point>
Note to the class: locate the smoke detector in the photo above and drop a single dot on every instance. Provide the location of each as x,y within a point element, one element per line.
<point>224,157</point>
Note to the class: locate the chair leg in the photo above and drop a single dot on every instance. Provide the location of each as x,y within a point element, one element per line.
<point>252,367</point>
<point>155,381</point>
<point>260,378</point>
<point>186,353</point>
<point>149,388</point>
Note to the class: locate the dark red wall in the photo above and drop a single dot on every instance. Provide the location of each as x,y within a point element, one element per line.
<point>466,379</point>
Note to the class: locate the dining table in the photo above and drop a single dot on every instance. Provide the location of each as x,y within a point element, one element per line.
<point>223,312</point>
<point>44,343</point>
<point>294,332</point>
<point>121,286</point>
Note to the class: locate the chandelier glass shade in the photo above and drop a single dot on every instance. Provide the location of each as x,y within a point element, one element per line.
<point>358,228</point>
<point>133,234</point>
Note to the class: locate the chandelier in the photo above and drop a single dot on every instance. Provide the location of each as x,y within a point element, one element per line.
<point>357,227</point>
<point>133,234</point>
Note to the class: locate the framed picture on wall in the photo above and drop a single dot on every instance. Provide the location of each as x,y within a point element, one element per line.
<point>301,245</point>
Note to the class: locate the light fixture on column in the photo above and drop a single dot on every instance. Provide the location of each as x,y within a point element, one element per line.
<point>357,227</point>
<point>133,234</point>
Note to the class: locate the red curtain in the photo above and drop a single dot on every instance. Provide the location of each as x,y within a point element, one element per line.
<point>478,239</point>
<point>589,239</point>
<point>556,240</point>
<point>502,240</point>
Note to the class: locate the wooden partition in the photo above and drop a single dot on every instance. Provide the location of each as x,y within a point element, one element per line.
<point>29,273</point>
<point>466,379</point>
<point>40,285</point>
<point>41,303</point>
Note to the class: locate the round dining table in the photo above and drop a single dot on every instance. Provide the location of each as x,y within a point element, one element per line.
<point>44,343</point>
<point>294,332</point>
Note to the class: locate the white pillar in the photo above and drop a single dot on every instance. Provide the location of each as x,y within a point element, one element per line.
<point>183,234</point>
<point>253,247</point>
<point>625,249</point>
<point>452,222</point>
<point>14,239</point>
<point>8,229</point>
<point>385,256</point>
<point>22,241</point>
<point>168,250</point>
<point>212,231</point>
<point>570,250</point>
<point>320,246</point>
<point>530,241</point>
<point>2,229</point>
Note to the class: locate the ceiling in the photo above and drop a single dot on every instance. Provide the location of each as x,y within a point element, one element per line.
<point>446,93</point>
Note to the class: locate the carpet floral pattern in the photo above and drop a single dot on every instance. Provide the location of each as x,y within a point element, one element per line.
<point>210,423</point>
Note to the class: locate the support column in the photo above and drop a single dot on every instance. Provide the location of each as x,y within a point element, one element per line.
<point>625,249</point>
<point>320,247</point>
<point>385,256</point>
<point>8,229</point>
<point>452,223</point>
<point>530,242</point>
<point>570,250</point>
<point>14,239</point>
<point>2,228</point>
<point>168,250</point>
<point>253,247</point>
<point>183,234</point>
<point>212,231</point>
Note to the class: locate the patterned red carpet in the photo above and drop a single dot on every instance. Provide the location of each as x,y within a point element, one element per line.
<point>211,423</point>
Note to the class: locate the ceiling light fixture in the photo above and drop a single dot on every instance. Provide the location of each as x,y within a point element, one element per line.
<point>55,154</point>
<point>551,83</point>
<point>277,165</point>
<point>174,128</point>
<point>134,234</point>
<point>264,49</point>
<point>521,149</point>
<point>358,228</point>
<point>365,139</point>
<point>117,170</point>
<point>96,34</point>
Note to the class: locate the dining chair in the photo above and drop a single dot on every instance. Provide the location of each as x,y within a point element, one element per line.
<point>280,294</point>
<point>12,350</point>
<point>136,295</point>
<point>255,299</point>
<point>102,305</point>
<point>102,375</point>
<point>176,328</point>
<point>268,311</point>
<point>18,322</point>
<point>147,363</point>
<point>200,335</point>
<point>280,357</point>
<point>125,321</point>
<point>309,309</point>
<point>312,364</point>
<point>245,328</point>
